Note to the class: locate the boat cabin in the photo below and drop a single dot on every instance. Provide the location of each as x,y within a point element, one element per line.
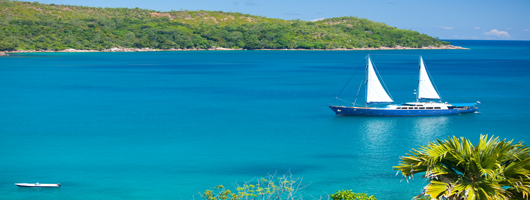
<point>430,106</point>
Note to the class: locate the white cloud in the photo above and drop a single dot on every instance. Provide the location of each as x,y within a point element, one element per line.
<point>526,30</point>
<point>477,27</point>
<point>447,28</point>
<point>319,19</point>
<point>498,33</point>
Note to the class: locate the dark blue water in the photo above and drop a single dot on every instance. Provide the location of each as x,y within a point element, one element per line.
<point>167,125</point>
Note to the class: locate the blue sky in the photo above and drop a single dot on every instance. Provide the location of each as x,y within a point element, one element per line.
<point>450,19</point>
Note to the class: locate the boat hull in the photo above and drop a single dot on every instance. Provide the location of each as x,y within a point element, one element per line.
<point>38,186</point>
<point>360,111</point>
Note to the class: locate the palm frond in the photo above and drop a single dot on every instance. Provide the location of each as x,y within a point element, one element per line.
<point>457,169</point>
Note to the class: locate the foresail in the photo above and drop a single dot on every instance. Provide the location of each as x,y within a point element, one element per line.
<point>375,93</point>
<point>425,87</point>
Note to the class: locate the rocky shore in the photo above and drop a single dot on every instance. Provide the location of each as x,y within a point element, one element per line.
<point>123,49</point>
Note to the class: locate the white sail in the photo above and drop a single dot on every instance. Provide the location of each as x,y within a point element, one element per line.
<point>375,93</point>
<point>425,88</point>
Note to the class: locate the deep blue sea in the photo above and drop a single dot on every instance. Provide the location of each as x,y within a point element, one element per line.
<point>167,125</point>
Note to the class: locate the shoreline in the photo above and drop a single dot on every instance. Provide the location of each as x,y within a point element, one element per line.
<point>122,49</point>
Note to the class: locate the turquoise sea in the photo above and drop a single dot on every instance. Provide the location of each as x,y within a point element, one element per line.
<point>167,125</point>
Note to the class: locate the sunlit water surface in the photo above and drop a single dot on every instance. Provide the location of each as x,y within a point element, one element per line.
<point>167,125</point>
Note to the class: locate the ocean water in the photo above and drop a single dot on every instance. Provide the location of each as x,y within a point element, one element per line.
<point>168,125</point>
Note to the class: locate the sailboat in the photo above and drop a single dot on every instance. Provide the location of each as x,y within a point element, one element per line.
<point>425,104</point>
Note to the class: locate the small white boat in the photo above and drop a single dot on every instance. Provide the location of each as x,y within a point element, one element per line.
<point>38,185</point>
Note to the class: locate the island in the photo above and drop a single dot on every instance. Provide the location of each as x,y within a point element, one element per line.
<point>37,27</point>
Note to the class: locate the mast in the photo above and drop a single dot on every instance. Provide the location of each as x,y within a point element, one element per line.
<point>366,89</point>
<point>419,74</point>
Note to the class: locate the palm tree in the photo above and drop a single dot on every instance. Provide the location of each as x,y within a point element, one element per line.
<point>458,170</point>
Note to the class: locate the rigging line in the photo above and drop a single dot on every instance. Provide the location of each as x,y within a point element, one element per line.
<point>347,82</point>
<point>342,100</point>
<point>335,87</point>
<point>360,85</point>
<point>338,83</point>
<point>353,74</point>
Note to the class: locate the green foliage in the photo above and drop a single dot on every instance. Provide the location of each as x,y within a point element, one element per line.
<point>422,198</point>
<point>6,46</point>
<point>457,169</point>
<point>349,195</point>
<point>272,188</point>
<point>25,25</point>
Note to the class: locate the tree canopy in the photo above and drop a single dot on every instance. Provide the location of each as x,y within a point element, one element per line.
<point>36,26</point>
<point>457,169</point>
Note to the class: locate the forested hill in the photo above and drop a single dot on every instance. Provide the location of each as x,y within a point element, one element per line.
<point>36,26</point>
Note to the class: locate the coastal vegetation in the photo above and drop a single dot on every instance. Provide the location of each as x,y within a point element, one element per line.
<point>36,26</point>
<point>271,188</point>
<point>349,195</point>
<point>457,169</point>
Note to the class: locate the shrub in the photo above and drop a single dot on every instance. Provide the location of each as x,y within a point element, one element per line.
<point>349,195</point>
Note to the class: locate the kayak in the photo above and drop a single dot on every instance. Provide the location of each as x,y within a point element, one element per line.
<point>37,185</point>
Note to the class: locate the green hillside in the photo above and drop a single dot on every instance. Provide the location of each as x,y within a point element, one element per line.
<point>35,26</point>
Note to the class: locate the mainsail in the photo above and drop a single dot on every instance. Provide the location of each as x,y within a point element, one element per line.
<point>375,93</point>
<point>425,88</point>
